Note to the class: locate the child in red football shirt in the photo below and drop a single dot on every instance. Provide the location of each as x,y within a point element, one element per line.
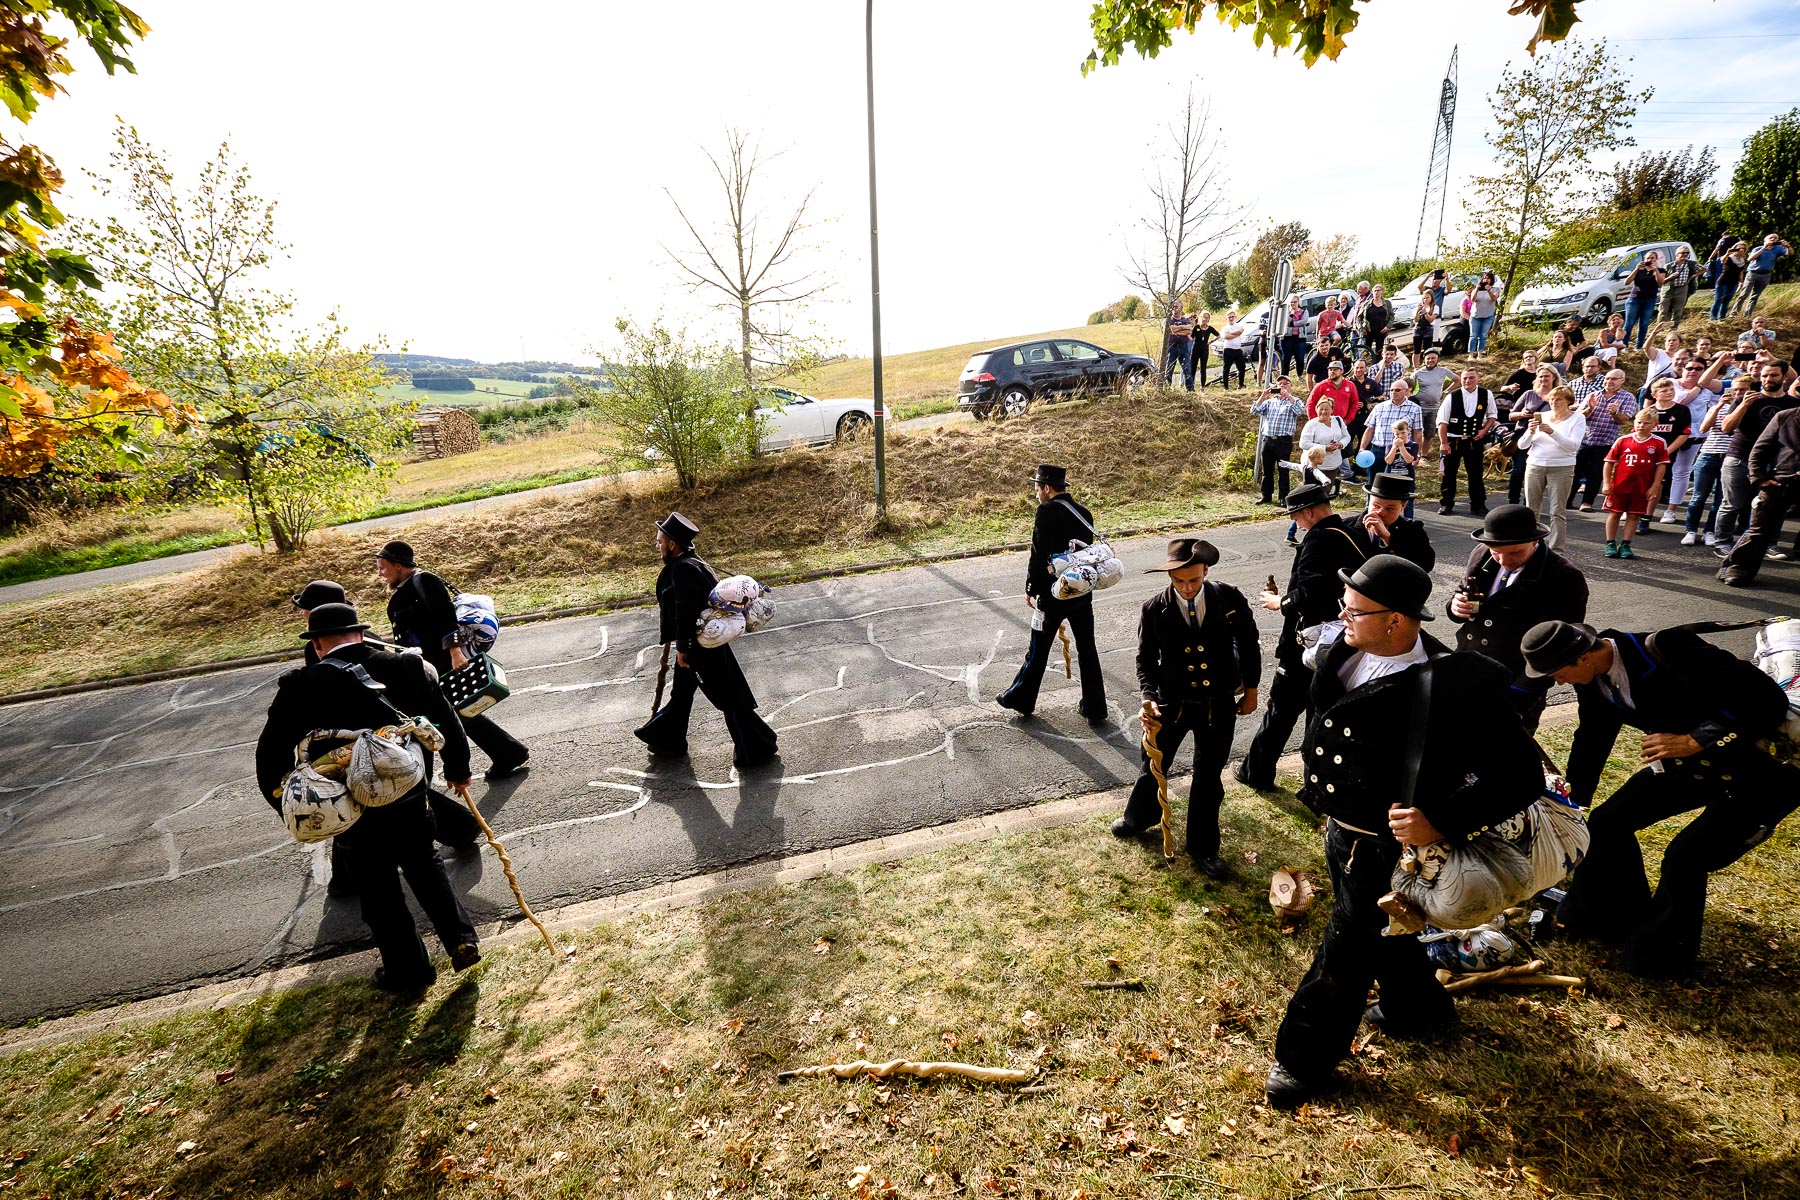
<point>1634,471</point>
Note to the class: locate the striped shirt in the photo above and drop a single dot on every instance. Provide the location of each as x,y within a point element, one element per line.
<point>1385,373</point>
<point>1603,429</point>
<point>1280,417</point>
<point>1717,440</point>
<point>1381,420</point>
<point>1583,387</point>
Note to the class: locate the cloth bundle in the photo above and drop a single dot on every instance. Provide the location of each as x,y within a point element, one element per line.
<point>1463,885</point>
<point>1460,951</point>
<point>736,604</point>
<point>1778,655</point>
<point>476,621</point>
<point>314,805</point>
<point>1084,569</point>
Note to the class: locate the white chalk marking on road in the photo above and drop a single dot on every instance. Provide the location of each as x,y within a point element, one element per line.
<point>578,687</point>
<point>836,687</point>
<point>283,844</point>
<point>605,640</point>
<point>974,670</point>
<point>862,712</point>
<point>643,798</point>
<point>52,845</point>
<point>779,627</point>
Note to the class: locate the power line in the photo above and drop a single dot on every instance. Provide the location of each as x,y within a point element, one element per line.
<point>1710,37</point>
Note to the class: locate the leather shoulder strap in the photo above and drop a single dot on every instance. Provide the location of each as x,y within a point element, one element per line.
<point>1415,736</point>
<point>1070,505</point>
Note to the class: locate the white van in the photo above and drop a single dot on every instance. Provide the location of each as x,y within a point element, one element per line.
<point>1593,289</point>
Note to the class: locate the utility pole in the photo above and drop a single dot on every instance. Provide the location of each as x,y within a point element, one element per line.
<point>1437,171</point>
<point>875,279</point>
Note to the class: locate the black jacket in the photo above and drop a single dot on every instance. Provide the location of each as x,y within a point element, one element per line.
<point>1549,588</point>
<point>1679,683</point>
<point>1051,531</point>
<point>424,615</point>
<point>1479,767</point>
<point>1410,541</point>
<point>322,696</point>
<point>1776,453</point>
<point>1314,591</point>
<point>682,588</point>
<point>1178,664</point>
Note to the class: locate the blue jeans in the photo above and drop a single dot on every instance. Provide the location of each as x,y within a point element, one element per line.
<point>1478,334</point>
<point>1720,302</point>
<point>1708,485</point>
<point>1638,315</point>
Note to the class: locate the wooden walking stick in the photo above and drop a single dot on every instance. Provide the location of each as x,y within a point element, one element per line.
<point>662,677</point>
<point>506,865</point>
<point>1062,635</point>
<point>900,1066</point>
<point>1153,754</point>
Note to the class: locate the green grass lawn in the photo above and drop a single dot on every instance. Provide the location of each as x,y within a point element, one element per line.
<point>487,391</point>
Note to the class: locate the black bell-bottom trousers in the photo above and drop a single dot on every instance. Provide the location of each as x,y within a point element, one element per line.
<point>1327,1007</point>
<point>722,683</point>
<point>1211,729</point>
<point>1022,694</point>
<point>1290,695</point>
<point>1609,896</point>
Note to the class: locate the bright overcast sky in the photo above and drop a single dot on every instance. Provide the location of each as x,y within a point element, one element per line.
<point>488,181</point>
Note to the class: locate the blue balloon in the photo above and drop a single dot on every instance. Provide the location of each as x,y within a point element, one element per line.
<point>1365,459</point>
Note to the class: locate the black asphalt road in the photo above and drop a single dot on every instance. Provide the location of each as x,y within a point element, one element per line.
<point>136,858</point>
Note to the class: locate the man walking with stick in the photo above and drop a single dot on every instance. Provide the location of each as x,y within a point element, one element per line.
<point>1196,647</point>
<point>1059,520</point>
<point>682,589</point>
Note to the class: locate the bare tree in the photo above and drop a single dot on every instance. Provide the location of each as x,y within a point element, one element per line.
<point>1191,221</point>
<point>747,273</point>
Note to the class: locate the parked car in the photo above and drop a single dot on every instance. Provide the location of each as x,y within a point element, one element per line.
<point>1591,289</point>
<point>791,418</point>
<point>1007,380</point>
<point>1256,330</point>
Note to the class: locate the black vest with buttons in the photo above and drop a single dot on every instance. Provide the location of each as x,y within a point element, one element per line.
<point>1467,424</point>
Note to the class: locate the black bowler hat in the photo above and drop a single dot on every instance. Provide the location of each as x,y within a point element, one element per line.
<point>1056,477</point>
<point>1549,646</point>
<point>398,553</point>
<point>678,529</point>
<point>1510,525</point>
<point>328,619</point>
<point>320,591</point>
<point>1389,486</point>
<point>1394,583</point>
<point>1188,552</point>
<point>1306,497</point>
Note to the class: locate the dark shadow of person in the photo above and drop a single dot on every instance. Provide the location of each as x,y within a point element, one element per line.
<point>322,1086</point>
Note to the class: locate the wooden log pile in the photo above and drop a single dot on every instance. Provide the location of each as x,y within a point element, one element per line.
<point>441,432</point>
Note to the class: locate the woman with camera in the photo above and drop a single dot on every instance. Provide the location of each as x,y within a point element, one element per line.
<point>1484,308</point>
<point>1646,284</point>
<point>1550,441</point>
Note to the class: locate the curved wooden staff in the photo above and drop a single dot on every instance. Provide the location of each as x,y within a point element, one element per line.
<point>662,677</point>
<point>506,865</point>
<point>924,1070</point>
<point>1062,635</point>
<point>1153,755</point>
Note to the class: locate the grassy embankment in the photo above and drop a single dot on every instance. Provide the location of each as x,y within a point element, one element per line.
<point>643,1065</point>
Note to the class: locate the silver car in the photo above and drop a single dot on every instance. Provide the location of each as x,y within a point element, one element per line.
<point>1594,288</point>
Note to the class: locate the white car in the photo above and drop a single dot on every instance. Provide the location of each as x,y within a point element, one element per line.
<point>1592,289</point>
<point>796,419</point>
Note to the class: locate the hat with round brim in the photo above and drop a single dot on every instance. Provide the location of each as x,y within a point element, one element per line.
<point>678,529</point>
<point>1510,525</point>
<point>329,619</point>
<point>320,591</point>
<point>1549,646</point>
<point>1395,583</point>
<point>1187,552</point>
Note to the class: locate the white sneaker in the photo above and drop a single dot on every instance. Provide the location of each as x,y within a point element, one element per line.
<point>1711,539</point>
<point>1670,517</point>
<point>1690,539</point>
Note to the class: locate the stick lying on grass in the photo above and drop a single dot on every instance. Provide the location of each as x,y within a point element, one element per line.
<point>506,865</point>
<point>1518,975</point>
<point>924,1070</point>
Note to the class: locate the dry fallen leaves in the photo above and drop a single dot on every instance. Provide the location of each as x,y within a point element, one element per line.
<point>1176,1126</point>
<point>822,946</point>
<point>1615,1021</point>
<point>1031,1020</point>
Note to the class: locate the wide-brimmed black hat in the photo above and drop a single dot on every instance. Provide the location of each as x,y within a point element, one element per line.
<point>1306,497</point>
<point>1510,525</point>
<point>678,529</point>
<point>1549,646</point>
<point>328,619</point>
<point>1056,477</point>
<point>1388,486</point>
<point>320,591</point>
<point>1394,583</point>
<point>398,553</point>
<point>1188,552</point>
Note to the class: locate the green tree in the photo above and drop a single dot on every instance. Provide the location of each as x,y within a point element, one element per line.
<point>1323,264</point>
<point>1552,119</point>
<point>1310,28</point>
<point>1283,241</point>
<point>671,403</point>
<point>1237,283</point>
<point>59,382</point>
<point>1653,177</point>
<point>1765,186</point>
<point>289,426</point>
<point>1213,293</point>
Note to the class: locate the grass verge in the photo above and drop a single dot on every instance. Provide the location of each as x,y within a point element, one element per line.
<point>644,1064</point>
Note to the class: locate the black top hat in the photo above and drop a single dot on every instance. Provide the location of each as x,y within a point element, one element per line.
<point>1056,477</point>
<point>320,591</point>
<point>678,529</point>
<point>1389,486</point>
<point>1510,525</point>
<point>1187,552</point>
<point>1306,497</point>
<point>1394,583</point>
<point>398,553</point>
<point>328,619</point>
<point>1549,646</point>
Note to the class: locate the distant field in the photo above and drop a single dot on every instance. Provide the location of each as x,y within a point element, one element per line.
<point>487,391</point>
<point>931,374</point>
